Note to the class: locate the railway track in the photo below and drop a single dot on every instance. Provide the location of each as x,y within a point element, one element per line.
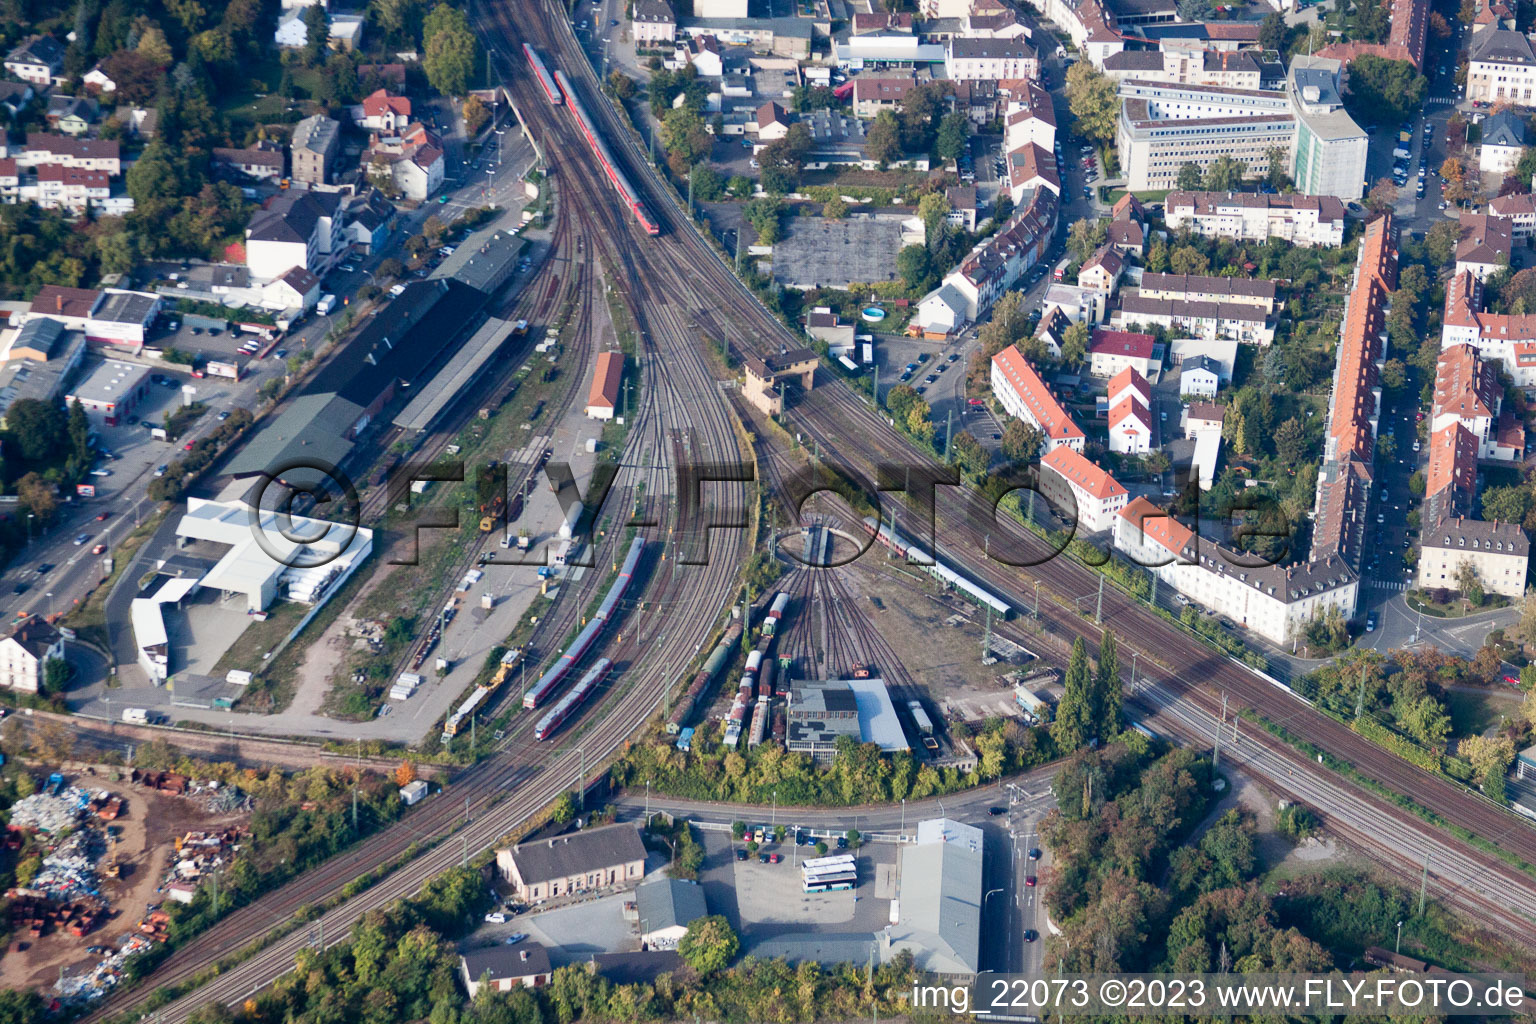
<point>649,648</point>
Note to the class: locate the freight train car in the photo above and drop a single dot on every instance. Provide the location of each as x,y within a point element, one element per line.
<point>605,157</point>
<point>703,677</point>
<point>557,672</point>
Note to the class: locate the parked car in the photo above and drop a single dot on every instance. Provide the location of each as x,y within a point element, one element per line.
<point>496,918</point>
<point>515,938</point>
<point>741,854</point>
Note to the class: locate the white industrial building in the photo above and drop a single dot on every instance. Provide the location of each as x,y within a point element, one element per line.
<point>938,911</point>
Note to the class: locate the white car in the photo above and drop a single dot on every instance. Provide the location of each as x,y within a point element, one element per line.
<point>496,918</point>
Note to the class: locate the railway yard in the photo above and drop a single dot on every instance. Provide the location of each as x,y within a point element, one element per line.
<point>734,577</point>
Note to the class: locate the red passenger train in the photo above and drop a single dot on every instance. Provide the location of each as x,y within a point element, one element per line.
<point>551,92</point>
<point>605,158</point>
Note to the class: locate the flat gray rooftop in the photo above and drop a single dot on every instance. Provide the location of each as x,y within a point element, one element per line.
<point>816,252</point>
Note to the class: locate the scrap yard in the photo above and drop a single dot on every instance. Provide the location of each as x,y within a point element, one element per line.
<point>98,858</point>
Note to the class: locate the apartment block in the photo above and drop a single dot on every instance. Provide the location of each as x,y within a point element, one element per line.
<point>1497,552</point>
<point>1081,489</point>
<point>1024,396</point>
<point>1164,126</point>
<point>1256,217</point>
<point>1501,65</point>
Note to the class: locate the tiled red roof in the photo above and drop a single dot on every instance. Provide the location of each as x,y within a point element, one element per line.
<point>1122,343</point>
<point>1053,419</point>
<point>1084,474</point>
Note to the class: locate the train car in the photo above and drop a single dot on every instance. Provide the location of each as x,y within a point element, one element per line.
<point>776,613</point>
<point>560,669</point>
<point>936,567</point>
<point>705,675</point>
<point>542,75</point>
<point>1148,733</point>
<point>571,701</point>
<point>604,156</point>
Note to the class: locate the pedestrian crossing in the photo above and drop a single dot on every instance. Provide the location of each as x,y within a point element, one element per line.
<point>1387,584</point>
<point>1440,101</point>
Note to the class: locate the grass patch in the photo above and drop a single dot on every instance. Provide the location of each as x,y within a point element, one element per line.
<point>249,650</point>
<point>1454,609</point>
<point>1473,714</point>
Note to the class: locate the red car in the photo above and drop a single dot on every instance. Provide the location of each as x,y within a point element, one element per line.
<point>1030,881</point>
<point>103,517</point>
<point>187,446</point>
<point>773,858</point>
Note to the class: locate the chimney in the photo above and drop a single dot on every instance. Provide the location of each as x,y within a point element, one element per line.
<point>58,302</point>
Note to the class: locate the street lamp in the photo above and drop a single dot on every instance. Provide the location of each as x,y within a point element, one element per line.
<point>1399,947</point>
<point>903,815</point>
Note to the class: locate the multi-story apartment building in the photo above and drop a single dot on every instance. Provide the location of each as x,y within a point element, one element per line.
<point>1209,320</point>
<point>1450,482</point>
<point>996,264</point>
<point>1200,288</point>
<point>1484,245</point>
<point>1508,337</point>
<point>653,22</point>
<point>1497,552</point>
<point>1328,158</point>
<point>1130,413</point>
<point>1024,396</point>
<point>1238,69</point>
<point>1164,126</point>
<point>1501,65</point>
<point>47,149</point>
<point>1084,492</point>
<point>1354,407</point>
<point>1255,217</point>
<point>970,59</point>
<point>298,229</point>
<point>1468,394</point>
<point>313,149</point>
<point>1276,602</point>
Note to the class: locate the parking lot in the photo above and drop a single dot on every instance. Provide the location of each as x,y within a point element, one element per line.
<point>944,362</point>
<point>819,253</point>
<point>767,900</point>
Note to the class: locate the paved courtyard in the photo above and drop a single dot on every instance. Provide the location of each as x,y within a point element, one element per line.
<point>819,253</point>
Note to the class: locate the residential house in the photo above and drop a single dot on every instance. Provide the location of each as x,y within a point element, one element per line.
<point>72,115</point>
<point>368,221</point>
<point>14,96</point>
<point>412,159</point>
<point>963,206</point>
<point>524,964</point>
<point>771,122</point>
<point>652,23</point>
<point>1032,168</point>
<point>1102,270</point>
<point>1113,351</point>
<point>593,858</point>
<point>38,60</point>
<point>1203,416</point>
<point>1088,496</point>
<point>1484,245</point>
<point>313,148</point>
<point>1276,602</point>
<point>1240,321</point>
<point>382,111</point>
<point>1504,138</point>
<point>24,655</point>
<point>1501,65</point>
<point>296,288</point>
<point>98,81</point>
<point>824,325</point>
<point>1257,217</point>
<point>970,59</point>
<point>262,162</point>
<point>1468,393</point>
<point>1199,377</point>
<point>873,93</point>
<point>1130,413</point>
<point>44,149</point>
<point>296,229</point>
<point>666,907</point>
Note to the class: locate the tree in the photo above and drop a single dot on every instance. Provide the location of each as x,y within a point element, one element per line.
<point>621,86</point>
<point>475,115</point>
<point>739,186</point>
<point>1394,374</point>
<point>52,740</point>
<point>1085,236</point>
<point>450,53</point>
<point>1291,442</point>
<point>706,183</point>
<point>1186,259</point>
<point>1094,101</point>
<point>1074,723</point>
<point>1107,695</point>
<point>36,429</point>
<point>710,944</point>
<point>1382,196</point>
<point>685,135</point>
<point>317,33</point>
<point>563,810</point>
<point>1224,174</point>
<point>390,267</point>
<point>55,675</point>
<point>405,773</point>
<point>967,453</point>
<point>1022,441</point>
<point>915,268</point>
<point>1382,91</point>
<point>1272,32</point>
<point>1074,345</point>
<point>883,143</point>
<point>763,215</point>
<point>1191,178</point>
<point>1277,160</point>
<point>951,138</point>
<point>79,428</point>
<point>1440,241</point>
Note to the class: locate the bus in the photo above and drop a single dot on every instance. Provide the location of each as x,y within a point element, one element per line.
<point>814,863</point>
<point>830,882</point>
